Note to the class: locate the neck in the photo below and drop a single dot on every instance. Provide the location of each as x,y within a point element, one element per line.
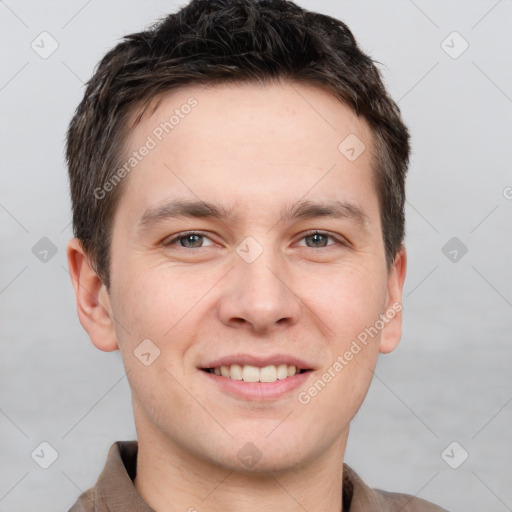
<point>171,478</point>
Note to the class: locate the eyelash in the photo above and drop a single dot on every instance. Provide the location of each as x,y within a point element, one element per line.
<point>170,242</point>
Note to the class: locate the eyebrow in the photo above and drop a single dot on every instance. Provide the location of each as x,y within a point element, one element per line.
<point>303,209</point>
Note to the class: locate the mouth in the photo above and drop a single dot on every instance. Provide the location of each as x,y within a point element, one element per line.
<point>250,373</point>
<point>257,383</point>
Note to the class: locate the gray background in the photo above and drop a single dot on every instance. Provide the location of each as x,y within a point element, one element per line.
<point>450,378</point>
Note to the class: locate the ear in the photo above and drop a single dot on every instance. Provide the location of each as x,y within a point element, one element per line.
<point>92,299</point>
<point>392,331</point>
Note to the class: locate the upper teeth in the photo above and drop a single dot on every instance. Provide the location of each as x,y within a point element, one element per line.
<point>250,373</point>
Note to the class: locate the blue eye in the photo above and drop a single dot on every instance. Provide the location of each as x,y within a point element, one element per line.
<point>195,240</point>
<point>318,238</point>
<point>190,240</point>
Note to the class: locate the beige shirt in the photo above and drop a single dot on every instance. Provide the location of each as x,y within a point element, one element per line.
<point>114,491</point>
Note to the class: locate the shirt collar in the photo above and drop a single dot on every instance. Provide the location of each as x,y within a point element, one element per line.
<point>114,490</point>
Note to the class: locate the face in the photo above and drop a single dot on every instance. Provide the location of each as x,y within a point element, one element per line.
<point>285,266</point>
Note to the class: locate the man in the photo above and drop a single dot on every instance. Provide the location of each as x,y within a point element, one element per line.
<point>237,177</point>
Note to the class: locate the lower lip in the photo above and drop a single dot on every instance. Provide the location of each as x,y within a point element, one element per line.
<point>258,390</point>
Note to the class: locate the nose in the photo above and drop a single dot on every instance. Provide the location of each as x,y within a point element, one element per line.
<point>259,295</point>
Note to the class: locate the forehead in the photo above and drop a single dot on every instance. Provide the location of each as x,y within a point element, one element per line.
<point>250,143</point>
<point>251,112</point>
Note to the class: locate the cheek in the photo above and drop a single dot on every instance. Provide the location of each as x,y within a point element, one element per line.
<point>349,301</point>
<point>153,309</point>
<point>154,302</point>
<point>355,301</point>
<point>353,383</point>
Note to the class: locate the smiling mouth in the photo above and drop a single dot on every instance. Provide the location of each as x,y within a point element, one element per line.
<point>249,373</point>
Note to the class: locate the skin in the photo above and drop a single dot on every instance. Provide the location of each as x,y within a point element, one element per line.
<point>255,149</point>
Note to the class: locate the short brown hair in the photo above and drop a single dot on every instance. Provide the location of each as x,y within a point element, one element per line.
<point>215,41</point>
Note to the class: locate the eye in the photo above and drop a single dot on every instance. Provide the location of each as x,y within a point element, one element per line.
<point>319,239</point>
<point>188,240</point>
<point>195,240</point>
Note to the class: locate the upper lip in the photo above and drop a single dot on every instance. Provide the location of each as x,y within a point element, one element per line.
<point>260,361</point>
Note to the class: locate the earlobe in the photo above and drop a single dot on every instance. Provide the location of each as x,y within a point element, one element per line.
<point>92,299</point>
<point>392,332</point>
